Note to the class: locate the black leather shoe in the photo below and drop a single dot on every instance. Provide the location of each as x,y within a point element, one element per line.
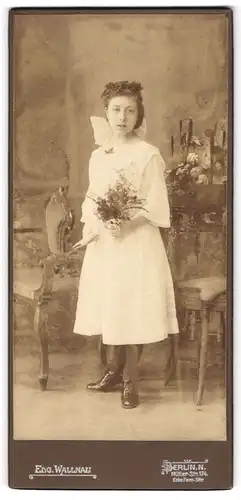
<point>129,397</point>
<point>111,381</point>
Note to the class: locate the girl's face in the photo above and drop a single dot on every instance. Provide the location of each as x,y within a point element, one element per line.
<point>122,114</point>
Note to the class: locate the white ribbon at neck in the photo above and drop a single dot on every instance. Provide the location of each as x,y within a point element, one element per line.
<point>103,132</point>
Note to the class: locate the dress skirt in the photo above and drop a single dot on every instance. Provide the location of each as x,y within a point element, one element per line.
<point>126,289</point>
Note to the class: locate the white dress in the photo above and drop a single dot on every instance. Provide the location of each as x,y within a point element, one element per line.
<point>125,288</point>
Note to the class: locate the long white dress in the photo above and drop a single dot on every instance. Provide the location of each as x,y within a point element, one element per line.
<point>125,288</point>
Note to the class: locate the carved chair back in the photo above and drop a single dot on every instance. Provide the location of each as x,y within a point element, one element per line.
<point>59,220</point>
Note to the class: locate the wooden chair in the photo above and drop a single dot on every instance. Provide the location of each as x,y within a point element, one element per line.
<point>200,297</point>
<point>197,298</point>
<point>55,275</point>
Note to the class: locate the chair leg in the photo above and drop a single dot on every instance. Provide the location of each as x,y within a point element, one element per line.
<point>172,366</point>
<point>186,326</point>
<point>192,325</point>
<point>177,365</point>
<point>203,355</point>
<point>41,331</point>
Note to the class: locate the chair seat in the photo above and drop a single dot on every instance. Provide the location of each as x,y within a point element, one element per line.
<point>27,281</point>
<point>208,288</point>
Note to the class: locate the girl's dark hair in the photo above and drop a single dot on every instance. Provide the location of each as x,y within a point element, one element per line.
<point>125,88</point>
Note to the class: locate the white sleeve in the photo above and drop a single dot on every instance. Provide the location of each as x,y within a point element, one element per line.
<point>157,203</point>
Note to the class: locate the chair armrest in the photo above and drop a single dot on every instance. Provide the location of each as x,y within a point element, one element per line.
<point>50,266</point>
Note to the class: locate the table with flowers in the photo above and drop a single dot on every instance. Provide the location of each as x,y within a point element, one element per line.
<point>197,187</point>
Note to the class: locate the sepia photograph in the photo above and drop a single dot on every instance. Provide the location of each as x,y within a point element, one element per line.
<point>120,148</point>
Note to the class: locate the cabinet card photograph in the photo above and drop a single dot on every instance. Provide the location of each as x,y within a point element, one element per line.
<point>120,148</point>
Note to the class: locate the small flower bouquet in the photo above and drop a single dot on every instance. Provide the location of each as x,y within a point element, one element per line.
<point>119,203</point>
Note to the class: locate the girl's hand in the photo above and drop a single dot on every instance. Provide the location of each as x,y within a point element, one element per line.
<point>115,232</point>
<point>114,228</point>
<point>85,241</point>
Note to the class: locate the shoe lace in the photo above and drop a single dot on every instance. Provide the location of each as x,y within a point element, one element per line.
<point>127,388</point>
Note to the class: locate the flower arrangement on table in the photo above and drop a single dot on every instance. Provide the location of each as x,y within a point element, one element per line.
<point>202,161</point>
<point>196,181</point>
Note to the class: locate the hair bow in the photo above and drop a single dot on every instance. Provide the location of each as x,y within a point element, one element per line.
<point>103,132</point>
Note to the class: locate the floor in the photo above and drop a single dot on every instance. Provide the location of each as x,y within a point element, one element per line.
<point>67,411</point>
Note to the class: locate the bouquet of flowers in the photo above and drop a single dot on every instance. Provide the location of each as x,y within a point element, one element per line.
<point>119,204</point>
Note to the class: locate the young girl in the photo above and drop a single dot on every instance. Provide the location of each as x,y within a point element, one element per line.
<point>125,290</point>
